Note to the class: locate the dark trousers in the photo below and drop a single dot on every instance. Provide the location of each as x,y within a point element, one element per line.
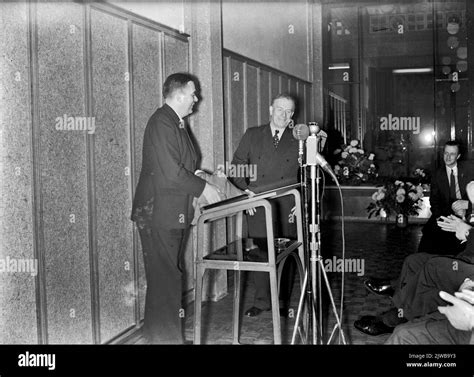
<point>162,251</point>
<point>422,277</point>
<point>282,227</point>
<point>262,298</point>
<point>436,241</point>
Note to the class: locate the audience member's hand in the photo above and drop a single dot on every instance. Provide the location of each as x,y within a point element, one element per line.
<point>466,295</point>
<point>449,223</point>
<point>454,224</point>
<point>461,313</point>
<point>211,193</point>
<point>470,191</point>
<point>467,285</point>
<point>250,211</point>
<point>459,205</point>
<point>459,208</point>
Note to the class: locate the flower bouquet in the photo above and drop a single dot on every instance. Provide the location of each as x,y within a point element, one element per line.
<point>398,197</point>
<point>423,177</point>
<point>354,166</point>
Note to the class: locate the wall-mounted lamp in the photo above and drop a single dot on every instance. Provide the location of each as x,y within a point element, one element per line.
<point>412,70</point>
<point>339,66</point>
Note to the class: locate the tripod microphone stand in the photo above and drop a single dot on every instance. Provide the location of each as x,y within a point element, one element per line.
<point>314,267</point>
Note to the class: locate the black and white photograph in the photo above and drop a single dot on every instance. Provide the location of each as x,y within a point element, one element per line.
<point>251,187</point>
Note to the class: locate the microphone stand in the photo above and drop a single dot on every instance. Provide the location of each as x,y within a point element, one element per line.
<point>306,288</point>
<point>313,259</point>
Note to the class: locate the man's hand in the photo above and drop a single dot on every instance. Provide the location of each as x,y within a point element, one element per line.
<point>211,193</point>
<point>454,224</point>
<point>250,211</point>
<point>461,313</point>
<point>470,191</point>
<point>449,223</point>
<point>459,205</point>
<point>467,285</point>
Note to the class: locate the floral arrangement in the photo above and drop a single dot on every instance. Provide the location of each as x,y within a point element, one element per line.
<point>422,176</point>
<point>396,197</point>
<point>354,166</point>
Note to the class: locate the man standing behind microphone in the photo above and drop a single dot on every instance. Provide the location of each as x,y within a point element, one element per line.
<point>273,151</point>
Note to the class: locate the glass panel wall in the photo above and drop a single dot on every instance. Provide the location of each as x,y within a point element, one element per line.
<point>396,80</point>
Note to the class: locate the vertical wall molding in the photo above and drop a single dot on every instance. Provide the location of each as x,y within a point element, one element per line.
<point>269,91</point>
<point>228,110</point>
<point>161,47</point>
<point>318,56</point>
<point>245,94</point>
<point>259,95</point>
<point>470,62</point>
<point>37,199</point>
<point>228,58</point>
<point>91,194</point>
<point>131,111</point>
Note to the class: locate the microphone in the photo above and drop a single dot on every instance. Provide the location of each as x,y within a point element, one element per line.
<point>313,157</point>
<point>314,128</point>
<point>301,133</point>
<point>321,161</point>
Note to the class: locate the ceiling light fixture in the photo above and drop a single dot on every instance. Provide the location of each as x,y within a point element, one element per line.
<point>339,66</point>
<point>413,70</point>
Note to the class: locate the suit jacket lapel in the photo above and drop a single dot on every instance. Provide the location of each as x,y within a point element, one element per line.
<point>445,182</point>
<point>267,137</point>
<point>462,180</point>
<point>286,137</point>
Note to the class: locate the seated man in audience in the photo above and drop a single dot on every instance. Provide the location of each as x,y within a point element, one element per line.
<point>447,197</point>
<point>423,275</point>
<point>451,325</point>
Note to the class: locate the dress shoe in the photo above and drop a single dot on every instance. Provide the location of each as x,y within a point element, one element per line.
<point>372,326</point>
<point>254,311</point>
<point>379,287</point>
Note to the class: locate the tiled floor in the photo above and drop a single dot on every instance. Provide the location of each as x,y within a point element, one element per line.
<point>379,248</point>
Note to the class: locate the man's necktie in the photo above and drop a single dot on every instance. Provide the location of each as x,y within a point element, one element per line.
<point>276,139</point>
<point>452,187</point>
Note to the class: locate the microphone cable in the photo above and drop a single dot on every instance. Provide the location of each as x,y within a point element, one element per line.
<point>343,258</point>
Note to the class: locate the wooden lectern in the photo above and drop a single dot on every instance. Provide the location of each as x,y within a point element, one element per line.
<point>231,256</point>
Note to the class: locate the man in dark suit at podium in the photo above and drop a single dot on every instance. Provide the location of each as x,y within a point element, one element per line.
<point>162,207</point>
<point>273,151</point>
